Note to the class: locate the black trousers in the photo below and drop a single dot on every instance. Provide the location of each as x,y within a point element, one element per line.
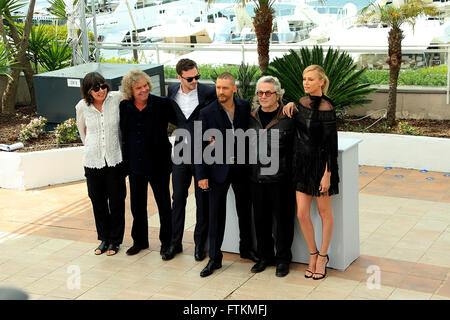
<point>181,180</point>
<point>138,201</point>
<point>107,191</point>
<point>274,214</point>
<point>217,212</point>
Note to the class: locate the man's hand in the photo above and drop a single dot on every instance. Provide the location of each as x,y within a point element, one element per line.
<point>203,184</point>
<point>288,109</point>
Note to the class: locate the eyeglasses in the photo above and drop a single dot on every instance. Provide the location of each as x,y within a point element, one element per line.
<point>189,79</point>
<point>99,86</point>
<point>267,93</point>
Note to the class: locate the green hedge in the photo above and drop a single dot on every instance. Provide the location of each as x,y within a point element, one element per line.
<point>431,76</point>
<point>207,71</point>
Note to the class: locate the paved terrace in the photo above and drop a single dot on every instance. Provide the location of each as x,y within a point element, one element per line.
<point>404,230</point>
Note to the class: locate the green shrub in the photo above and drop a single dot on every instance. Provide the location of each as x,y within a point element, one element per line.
<point>430,76</point>
<point>56,56</point>
<point>209,72</point>
<point>406,128</point>
<point>33,129</point>
<point>67,132</point>
<point>117,60</point>
<point>346,90</point>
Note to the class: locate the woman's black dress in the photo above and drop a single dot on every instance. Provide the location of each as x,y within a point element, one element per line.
<point>315,145</point>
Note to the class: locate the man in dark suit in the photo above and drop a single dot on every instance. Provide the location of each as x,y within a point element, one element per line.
<point>147,156</point>
<point>189,98</point>
<point>226,114</point>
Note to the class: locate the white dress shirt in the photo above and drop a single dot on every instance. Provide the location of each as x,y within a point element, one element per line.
<point>187,101</point>
<point>102,140</point>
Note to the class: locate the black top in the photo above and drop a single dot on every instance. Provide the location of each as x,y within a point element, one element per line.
<point>206,95</point>
<point>315,145</point>
<point>279,151</point>
<point>146,146</point>
<point>266,117</point>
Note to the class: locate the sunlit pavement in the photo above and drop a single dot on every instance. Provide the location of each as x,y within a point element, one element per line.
<point>47,242</point>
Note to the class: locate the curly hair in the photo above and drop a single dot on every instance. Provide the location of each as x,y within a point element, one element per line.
<point>90,80</point>
<point>132,77</point>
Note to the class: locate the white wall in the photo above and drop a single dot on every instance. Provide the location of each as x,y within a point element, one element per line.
<point>402,151</point>
<point>27,170</point>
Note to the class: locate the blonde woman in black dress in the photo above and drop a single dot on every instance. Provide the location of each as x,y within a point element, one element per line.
<point>315,165</point>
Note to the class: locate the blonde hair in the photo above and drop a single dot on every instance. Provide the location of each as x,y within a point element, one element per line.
<point>322,76</point>
<point>134,76</point>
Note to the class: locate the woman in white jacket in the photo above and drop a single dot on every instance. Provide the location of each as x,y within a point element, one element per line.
<point>98,125</point>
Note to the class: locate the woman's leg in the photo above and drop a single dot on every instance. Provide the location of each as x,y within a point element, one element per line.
<point>304,218</point>
<point>326,214</point>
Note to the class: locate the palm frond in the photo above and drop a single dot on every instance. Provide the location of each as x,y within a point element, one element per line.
<point>345,88</point>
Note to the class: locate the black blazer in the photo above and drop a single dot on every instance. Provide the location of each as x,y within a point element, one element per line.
<point>215,117</point>
<point>145,144</point>
<point>206,95</point>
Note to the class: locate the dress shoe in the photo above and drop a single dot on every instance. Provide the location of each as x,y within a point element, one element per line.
<point>135,249</point>
<point>199,253</point>
<point>173,250</point>
<point>282,269</point>
<point>164,248</point>
<point>249,254</point>
<point>210,267</point>
<point>261,265</point>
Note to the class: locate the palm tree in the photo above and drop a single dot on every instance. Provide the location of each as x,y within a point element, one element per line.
<point>19,48</point>
<point>346,89</point>
<point>6,60</point>
<point>394,16</point>
<point>262,22</point>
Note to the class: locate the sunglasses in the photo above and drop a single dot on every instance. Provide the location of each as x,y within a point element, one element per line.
<point>189,79</point>
<point>99,86</point>
<point>267,93</point>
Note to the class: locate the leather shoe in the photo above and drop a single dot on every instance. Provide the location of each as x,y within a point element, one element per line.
<point>282,269</point>
<point>173,250</point>
<point>164,248</point>
<point>135,249</point>
<point>261,266</point>
<point>210,267</point>
<point>249,254</point>
<point>199,253</point>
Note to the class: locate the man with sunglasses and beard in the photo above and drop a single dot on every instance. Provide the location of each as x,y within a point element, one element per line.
<point>189,98</point>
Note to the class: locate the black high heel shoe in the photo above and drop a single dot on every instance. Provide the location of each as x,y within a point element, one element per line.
<point>312,273</point>
<point>323,275</point>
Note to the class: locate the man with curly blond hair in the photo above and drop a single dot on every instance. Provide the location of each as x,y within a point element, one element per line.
<point>144,119</point>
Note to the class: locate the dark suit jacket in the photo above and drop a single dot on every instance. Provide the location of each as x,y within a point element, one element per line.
<point>206,95</point>
<point>215,117</point>
<point>145,144</point>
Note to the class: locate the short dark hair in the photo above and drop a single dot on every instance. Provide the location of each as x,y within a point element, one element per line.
<point>227,76</point>
<point>90,81</point>
<point>185,65</point>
